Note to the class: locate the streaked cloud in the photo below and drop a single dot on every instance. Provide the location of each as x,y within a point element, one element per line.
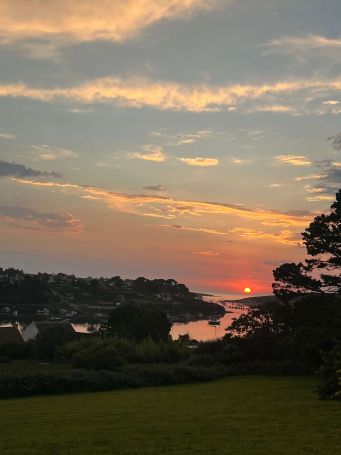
<point>49,153</point>
<point>293,160</point>
<point>240,161</point>
<point>20,171</point>
<point>163,206</point>
<point>6,136</point>
<point>155,188</point>
<point>321,198</point>
<point>287,237</point>
<point>26,218</point>
<point>200,161</point>
<point>302,46</point>
<point>184,138</point>
<point>310,177</point>
<point>150,153</point>
<point>328,182</point>
<point>304,95</point>
<point>66,21</point>
<point>206,253</point>
<point>336,141</point>
<point>194,229</point>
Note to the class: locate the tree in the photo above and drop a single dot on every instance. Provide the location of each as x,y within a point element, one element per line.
<point>321,274</point>
<point>137,322</point>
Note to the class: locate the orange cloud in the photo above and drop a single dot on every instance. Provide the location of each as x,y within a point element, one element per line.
<point>67,21</point>
<point>200,161</point>
<point>287,237</point>
<point>151,154</point>
<point>162,206</point>
<point>293,160</point>
<point>140,92</point>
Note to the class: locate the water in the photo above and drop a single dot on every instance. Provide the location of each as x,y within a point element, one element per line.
<point>203,330</point>
<point>198,330</point>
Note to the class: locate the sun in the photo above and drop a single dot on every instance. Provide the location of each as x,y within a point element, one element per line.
<point>247,290</point>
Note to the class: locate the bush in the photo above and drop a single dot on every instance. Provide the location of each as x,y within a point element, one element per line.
<point>15,351</point>
<point>85,353</point>
<point>89,381</point>
<point>330,374</point>
<point>98,358</point>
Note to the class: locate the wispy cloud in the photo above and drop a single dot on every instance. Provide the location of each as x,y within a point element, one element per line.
<point>336,141</point>
<point>163,206</point>
<point>206,253</point>
<point>6,136</point>
<point>302,46</point>
<point>287,237</point>
<point>293,160</point>
<point>150,153</point>
<point>200,161</point>
<point>303,95</point>
<point>184,138</point>
<point>310,177</point>
<point>66,21</point>
<point>49,153</point>
<point>21,171</point>
<point>155,188</point>
<point>26,218</point>
<point>240,161</point>
<point>327,183</point>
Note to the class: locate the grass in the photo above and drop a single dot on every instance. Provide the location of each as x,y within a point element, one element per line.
<point>248,415</point>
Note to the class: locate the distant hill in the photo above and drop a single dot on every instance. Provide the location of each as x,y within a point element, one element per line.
<point>255,301</point>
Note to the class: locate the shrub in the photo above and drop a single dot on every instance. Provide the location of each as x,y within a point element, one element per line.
<point>330,374</point>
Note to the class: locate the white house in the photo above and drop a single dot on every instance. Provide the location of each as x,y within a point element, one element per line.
<point>37,328</point>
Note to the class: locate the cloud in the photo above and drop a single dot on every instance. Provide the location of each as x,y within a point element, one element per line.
<point>336,141</point>
<point>21,171</point>
<point>66,21</point>
<point>321,198</point>
<point>311,177</point>
<point>206,253</point>
<point>151,153</point>
<point>301,96</point>
<point>200,161</point>
<point>49,153</point>
<point>6,136</point>
<point>155,188</point>
<point>240,161</point>
<point>327,183</point>
<point>184,138</point>
<point>303,46</point>
<point>293,160</point>
<point>166,207</point>
<point>194,229</point>
<point>25,218</point>
<point>287,237</point>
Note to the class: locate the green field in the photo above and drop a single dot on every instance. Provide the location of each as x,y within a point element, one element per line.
<point>248,415</point>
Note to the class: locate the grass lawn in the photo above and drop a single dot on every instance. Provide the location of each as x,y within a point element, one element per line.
<point>249,415</point>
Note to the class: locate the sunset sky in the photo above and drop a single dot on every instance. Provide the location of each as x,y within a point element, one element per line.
<point>186,139</point>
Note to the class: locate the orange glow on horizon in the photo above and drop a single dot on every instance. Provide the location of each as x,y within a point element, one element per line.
<point>247,290</point>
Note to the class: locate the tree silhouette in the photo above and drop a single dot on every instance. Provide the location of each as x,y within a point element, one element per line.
<point>321,273</point>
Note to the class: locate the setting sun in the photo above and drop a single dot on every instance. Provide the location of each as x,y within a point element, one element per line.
<point>247,290</point>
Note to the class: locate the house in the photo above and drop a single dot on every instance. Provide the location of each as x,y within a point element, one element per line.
<point>9,335</point>
<point>43,312</point>
<point>36,328</point>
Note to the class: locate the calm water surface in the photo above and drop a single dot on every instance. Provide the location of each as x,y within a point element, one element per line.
<point>198,330</point>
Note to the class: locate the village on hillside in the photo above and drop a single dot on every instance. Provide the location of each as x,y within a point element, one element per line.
<point>58,297</point>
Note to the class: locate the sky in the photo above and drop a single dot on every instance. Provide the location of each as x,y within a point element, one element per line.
<point>185,139</point>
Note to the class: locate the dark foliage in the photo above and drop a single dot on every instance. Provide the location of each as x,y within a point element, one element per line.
<point>137,322</point>
<point>320,274</point>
